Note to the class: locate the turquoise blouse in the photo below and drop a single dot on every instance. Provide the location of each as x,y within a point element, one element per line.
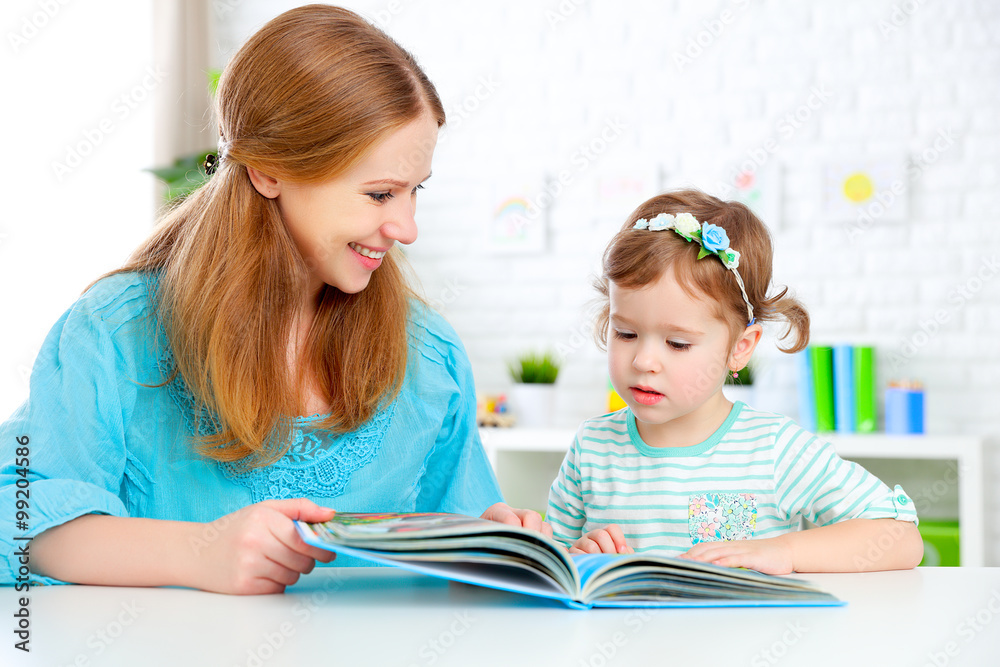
<point>98,441</point>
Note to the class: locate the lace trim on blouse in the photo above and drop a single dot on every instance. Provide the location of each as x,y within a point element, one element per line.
<point>318,462</point>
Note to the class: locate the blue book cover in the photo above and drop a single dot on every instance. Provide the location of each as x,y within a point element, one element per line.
<point>493,555</point>
<point>807,395</point>
<point>843,387</point>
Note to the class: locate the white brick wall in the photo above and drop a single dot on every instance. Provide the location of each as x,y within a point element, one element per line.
<point>897,76</point>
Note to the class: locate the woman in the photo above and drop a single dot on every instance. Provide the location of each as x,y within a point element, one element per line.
<point>262,351</point>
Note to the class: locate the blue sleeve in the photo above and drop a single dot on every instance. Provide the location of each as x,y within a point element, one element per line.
<point>72,430</point>
<point>458,476</point>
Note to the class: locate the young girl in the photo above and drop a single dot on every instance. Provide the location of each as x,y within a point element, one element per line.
<point>261,354</point>
<point>681,470</point>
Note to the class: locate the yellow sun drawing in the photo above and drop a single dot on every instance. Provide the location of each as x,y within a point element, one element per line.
<point>858,187</point>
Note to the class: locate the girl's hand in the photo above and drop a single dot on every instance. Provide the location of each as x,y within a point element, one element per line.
<point>608,540</point>
<point>257,549</point>
<point>503,513</point>
<point>770,556</point>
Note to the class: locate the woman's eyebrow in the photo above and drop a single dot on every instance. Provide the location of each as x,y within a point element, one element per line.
<point>392,181</point>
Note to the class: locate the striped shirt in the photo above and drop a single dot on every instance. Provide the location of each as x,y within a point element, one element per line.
<point>757,476</point>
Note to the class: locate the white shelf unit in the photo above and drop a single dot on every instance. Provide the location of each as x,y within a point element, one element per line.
<point>965,451</point>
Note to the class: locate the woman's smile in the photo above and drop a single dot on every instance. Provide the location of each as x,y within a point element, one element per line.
<point>369,258</point>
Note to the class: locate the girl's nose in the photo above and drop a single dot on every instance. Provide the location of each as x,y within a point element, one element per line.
<point>646,360</point>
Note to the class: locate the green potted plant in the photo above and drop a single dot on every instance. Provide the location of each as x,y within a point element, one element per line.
<point>532,398</point>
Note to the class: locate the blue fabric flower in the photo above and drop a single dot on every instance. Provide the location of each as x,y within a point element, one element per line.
<point>714,238</point>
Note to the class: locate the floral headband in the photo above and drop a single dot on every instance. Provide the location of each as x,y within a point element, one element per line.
<point>712,239</point>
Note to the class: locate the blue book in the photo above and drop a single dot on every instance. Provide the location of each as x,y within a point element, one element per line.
<point>493,555</point>
<point>843,387</point>
<point>807,392</point>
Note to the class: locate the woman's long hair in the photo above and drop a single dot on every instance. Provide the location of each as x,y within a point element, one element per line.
<point>303,100</point>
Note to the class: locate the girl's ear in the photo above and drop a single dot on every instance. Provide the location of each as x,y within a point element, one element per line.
<point>267,186</point>
<point>744,347</point>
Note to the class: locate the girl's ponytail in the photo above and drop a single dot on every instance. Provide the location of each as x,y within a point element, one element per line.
<point>784,307</point>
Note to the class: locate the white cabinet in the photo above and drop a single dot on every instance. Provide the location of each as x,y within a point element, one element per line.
<point>527,460</point>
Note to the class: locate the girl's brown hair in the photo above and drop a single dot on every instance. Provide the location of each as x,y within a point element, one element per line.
<point>636,258</point>
<point>304,99</point>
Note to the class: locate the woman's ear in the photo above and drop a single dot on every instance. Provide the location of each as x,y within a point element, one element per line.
<point>267,186</point>
<point>744,347</point>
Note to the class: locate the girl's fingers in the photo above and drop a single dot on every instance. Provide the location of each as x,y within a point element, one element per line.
<point>618,537</point>
<point>605,542</point>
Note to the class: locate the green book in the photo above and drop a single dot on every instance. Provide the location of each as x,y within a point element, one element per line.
<point>821,358</point>
<point>865,406</point>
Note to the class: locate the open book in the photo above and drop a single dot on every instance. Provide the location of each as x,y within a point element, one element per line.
<point>486,553</point>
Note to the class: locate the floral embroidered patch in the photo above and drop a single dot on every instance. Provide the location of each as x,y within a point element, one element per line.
<point>716,517</point>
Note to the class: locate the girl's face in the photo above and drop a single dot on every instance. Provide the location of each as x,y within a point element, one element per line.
<point>344,226</point>
<point>668,356</point>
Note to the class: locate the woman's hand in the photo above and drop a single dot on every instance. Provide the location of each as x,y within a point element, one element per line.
<point>257,549</point>
<point>503,513</point>
<point>770,555</point>
<point>609,540</point>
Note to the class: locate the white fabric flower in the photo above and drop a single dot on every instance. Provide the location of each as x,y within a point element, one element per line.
<point>686,224</point>
<point>661,222</point>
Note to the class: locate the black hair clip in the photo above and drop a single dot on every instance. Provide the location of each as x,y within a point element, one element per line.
<point>211,164</point>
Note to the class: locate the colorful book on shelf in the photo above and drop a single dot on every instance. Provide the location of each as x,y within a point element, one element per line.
<point>843,386</point>
<point>807,395</point>
<point>865,400</point>
<point>493,555</point>
<point>821,357</point>
<point>837,389</point>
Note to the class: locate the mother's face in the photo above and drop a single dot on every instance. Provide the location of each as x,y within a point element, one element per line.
<point>344,226</point>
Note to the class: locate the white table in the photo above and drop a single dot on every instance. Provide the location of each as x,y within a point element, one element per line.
<point>965,479</point>
<point>385,617</point>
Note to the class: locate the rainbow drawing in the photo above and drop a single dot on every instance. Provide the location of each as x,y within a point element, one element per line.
<point>511,220</point>
<point>517,225</point>
<point>512,206</point>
